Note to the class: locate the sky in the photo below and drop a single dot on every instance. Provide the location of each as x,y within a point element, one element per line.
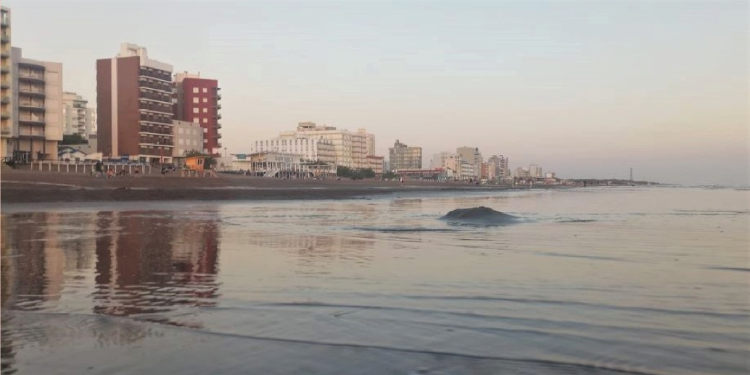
<point>582,88</point>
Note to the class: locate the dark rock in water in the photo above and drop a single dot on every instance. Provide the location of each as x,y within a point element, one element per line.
<point>479,215</point>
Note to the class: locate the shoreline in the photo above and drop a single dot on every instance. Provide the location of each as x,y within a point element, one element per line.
<point>39,187</point>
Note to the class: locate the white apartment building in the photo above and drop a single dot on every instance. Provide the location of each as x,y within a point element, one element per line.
<point>351,147</point>
<point>498,165</point>
<point>188,136</point>
<point>310,149</point>
<point>76,114</point>
<point>472,156</point>
<point>535,171</point>
<point>38,107</point>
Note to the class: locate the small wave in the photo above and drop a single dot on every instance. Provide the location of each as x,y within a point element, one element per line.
<point>576,220</point>
<point>479,216</point>
<point>740,269</point>
<point>593,257</point>
<point>403,229</point>
<point>712,212</point>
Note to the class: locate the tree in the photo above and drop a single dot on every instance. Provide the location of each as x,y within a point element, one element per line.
<point>73,139</point>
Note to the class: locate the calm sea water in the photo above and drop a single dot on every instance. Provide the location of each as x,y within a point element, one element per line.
<point>591,281</point>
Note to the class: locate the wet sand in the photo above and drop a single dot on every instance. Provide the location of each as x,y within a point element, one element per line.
<point>23,186</point>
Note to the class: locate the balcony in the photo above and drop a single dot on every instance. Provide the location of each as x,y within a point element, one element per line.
<point>146,82</point>
<point>156,96</point>
<point>31,78</point>
<point>218,116</point>
<point>31,104</point>
<point>31,121</point>
<point>218,125</point>
<point>156,107</point>
<point>156,119</point>
<point>161,75</point>
<point>31,135</point>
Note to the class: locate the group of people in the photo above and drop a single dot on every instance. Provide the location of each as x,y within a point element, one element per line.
<point>99,171</point>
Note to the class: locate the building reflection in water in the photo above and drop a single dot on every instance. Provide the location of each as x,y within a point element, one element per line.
<point>153,263</point>
<point>147,264</point>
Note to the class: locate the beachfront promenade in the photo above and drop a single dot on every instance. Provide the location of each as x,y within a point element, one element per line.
<point>24,185</point>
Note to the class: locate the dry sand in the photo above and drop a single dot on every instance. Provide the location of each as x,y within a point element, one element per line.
<point>26,186</point>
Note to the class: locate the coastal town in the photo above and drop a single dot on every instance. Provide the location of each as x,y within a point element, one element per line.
<point>150,118</point>
<point>147,113</point>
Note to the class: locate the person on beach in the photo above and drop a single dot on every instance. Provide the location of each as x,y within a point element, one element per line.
<point>98,168</point>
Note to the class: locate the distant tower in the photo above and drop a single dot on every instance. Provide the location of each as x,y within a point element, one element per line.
<point>631,174</point>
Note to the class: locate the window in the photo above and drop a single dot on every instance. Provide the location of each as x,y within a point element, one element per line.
<point>195,110</point>
<point>205,100</point>
<point>205,131</point>
<point>195,90</point>
<point>205,120</point>
<point>205,110</point>
<point>196,120</point>
<point>195,100</point>
<point>205,90</point>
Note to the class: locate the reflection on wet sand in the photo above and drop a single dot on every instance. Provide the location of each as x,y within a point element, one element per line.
<point>150,265</point>
<point>144,263</point>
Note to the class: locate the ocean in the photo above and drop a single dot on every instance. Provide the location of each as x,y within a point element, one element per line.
<point>627,280</point>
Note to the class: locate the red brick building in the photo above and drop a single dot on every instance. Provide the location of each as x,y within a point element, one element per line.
<point>198,101</point>
<point>134,106</point>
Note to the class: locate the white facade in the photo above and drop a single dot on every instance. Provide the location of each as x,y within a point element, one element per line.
<point>188,136</point>
<point>535,171</point>
<point>351,148</point>
<point>310,149</point>
<point>76,114</point>
<point>472,156</point>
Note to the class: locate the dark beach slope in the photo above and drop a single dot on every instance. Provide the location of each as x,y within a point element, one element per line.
<point>22,186</point>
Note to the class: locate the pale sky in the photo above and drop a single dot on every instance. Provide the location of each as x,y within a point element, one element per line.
<point>582,88</point>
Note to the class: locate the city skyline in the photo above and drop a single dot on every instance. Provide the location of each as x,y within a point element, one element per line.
<point>586,90</point>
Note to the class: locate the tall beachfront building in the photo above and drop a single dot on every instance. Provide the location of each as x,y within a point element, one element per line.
<point>134,106</point>
<point>403,157</point>
<point>6,114</point>
<point>198,101</point>
<point>37,107</point>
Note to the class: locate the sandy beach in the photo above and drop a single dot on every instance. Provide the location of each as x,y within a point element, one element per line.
<point>23,186</point>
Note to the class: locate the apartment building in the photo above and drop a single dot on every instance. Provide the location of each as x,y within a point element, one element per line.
<point>472,156</point>
<point>6,93</point>
<point>76,113</point>
<point>188,136</point>
<point>498,165</point>
<point>309,149</point>
<point>37,107</point>
<point>198,101</point>
<point>134,106</point>
<point>402,157</point>
<point>351,148</point>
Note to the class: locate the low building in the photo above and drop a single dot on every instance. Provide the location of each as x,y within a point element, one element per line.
<point>188,136</point>
<point>277,164</point>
